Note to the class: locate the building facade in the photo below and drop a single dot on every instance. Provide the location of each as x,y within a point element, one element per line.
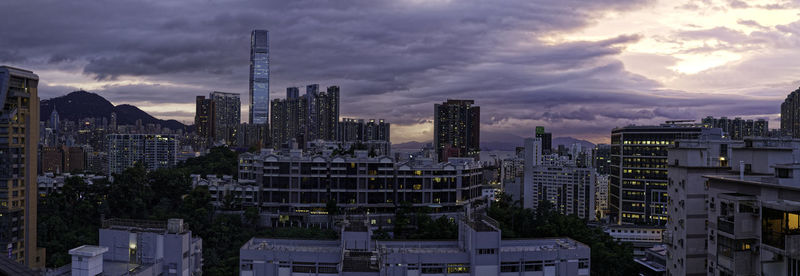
<point>154,151</point>
<point>357,130</point>
<point>689,161</point>
<point>456,129</point>
<point>226,116</point>
<point>738,128</point>
<point>601,195</point>
<point>570,189</point>
<point>139,248</point>
<point>638,179</point>
<point>305,118</point>
<point>790,115</point>
<point>259,77</point>
<point>19,127</point>
<point>204,117</point>
<point>602,158</point>
<point>295,185</point>
<point>547,140</point>
<point>479,251</point>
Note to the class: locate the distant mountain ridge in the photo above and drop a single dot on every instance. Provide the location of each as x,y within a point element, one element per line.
<point>81,104</point>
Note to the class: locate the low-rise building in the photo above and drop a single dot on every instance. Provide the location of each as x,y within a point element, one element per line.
<point>641,237</point>
<point>294,185</point>
<point>139,248</point>
<point>479,250</point>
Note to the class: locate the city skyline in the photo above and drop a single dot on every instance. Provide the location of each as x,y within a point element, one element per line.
<point>580,74</point>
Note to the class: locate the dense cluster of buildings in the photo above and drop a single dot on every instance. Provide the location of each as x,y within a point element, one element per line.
<point>718,197</point>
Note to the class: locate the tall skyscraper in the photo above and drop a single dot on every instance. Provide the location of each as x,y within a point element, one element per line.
<point>456,129</point>
<point>790,115</point>
<point>55,121</point>
<point>259,77</point>
<point>226,116</point>
<point>19,125</point>
<point>638,178</point>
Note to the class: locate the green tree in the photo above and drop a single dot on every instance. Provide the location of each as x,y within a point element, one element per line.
<point>131,195</point>
<point>608,256</point>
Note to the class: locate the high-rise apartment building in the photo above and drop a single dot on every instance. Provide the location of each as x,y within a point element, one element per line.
<point>377,130</point>
<point>456,129</point>
<point>790,115</point>
<point>533,158</point>
<point>351,130</point>
<point>154,151</point>
<point>259,77</point>
<point>226,117</point>
<point>356,130</point>
<point>638,179</point>
<point>204,117</point>
<point>738,128</point>
<point>19,129</point>
<point>312,116</point>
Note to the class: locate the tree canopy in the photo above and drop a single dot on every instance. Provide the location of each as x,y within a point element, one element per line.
<point>608,257</point>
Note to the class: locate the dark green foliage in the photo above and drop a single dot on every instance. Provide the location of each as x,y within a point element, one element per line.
<point>219,161</point>
<point>417,224</point>
<point>70,218</point>
<point>608,256</point>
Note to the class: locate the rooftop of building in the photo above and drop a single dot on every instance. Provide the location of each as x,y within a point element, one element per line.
<point>10,267</point>
<point>88,250</point>
<point>651,260</point>
<point>362,156</point>
<point>668,125</point>
<point>175,226</point>
<point>293,245</point>
<point>112,268</point>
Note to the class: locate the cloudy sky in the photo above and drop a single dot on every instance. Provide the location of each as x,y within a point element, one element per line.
<point>579,68</point>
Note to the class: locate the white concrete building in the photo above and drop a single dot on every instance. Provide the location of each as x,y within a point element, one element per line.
<point>688,162</point>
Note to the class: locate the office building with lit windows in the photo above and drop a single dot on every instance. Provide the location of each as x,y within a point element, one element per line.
<point>154,151</point>
<point>638,178</point>
<point>479,250</point>
<point>19,130</point>
<point>259,77</point>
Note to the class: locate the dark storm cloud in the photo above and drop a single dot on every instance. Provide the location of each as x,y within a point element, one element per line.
<point>393,59</point>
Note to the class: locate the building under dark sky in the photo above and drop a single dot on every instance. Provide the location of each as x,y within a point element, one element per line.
<point>456,129</point>
<point>638,178</point>
<point>19,112</point>
<point>790,115</point>
<point>259,77</point>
